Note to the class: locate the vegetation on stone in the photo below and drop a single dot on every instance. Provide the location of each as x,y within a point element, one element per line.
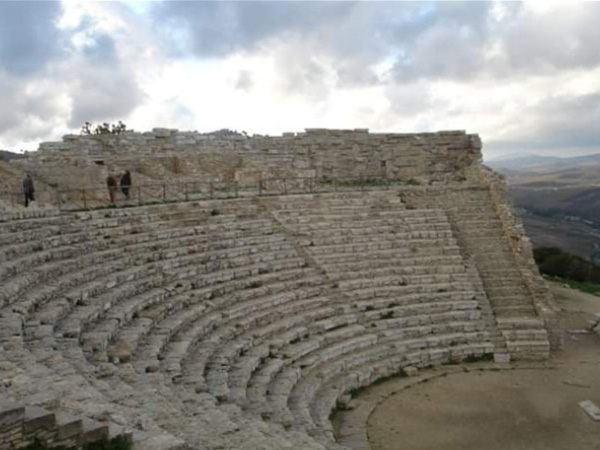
<point>370,182</point>
<point>116,443</point>
<point>555,262</point>
<point>104,128</point>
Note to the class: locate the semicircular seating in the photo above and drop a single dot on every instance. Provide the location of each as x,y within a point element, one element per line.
<point>236,322</point>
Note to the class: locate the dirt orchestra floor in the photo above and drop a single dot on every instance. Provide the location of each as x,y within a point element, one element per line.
<point>520,409</point>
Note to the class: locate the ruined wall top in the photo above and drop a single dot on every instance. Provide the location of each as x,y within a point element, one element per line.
<point>316,152</point>
<point>167,140</point>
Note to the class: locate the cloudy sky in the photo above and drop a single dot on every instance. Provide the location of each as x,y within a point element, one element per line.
<point>525,76</point>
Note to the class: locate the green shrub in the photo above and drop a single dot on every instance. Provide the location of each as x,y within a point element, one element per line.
<point>557,266</point>
<point>542,253</point>
<point>116,443</point>
<point>555,262</point>
<point>479,358</point>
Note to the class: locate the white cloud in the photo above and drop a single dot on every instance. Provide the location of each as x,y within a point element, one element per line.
<point>520,74</point>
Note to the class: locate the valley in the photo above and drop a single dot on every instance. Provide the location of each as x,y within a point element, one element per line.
<point>558,199</point>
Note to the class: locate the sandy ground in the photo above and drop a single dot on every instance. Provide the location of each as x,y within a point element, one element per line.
<point>521,409</point>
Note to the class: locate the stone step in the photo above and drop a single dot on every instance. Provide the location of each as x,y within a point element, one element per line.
<point>28,279</point>
<point>246,263</point>
<point>294,351</point>
<point>371,236</point>
<point>281,391</point>
<point>25,424</point>
<point>414,245</point>
<point>397,291</point>
<point>173,324</point>
<point>85,294</point>
<point>395,256</point>
<point>222,377</point>
<point>359,282</point>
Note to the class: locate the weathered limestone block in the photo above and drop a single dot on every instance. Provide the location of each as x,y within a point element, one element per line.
<point>163,132</point>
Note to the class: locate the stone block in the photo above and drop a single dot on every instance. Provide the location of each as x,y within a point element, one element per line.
<point>158,442</point>
<point>92,431</point>
<point>37,419</point>
<point>162,132</point>
<point>67,426</point>
<point>591,409</point>
<point>10,416</point>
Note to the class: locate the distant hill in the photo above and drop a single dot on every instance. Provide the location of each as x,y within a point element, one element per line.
<point>5,155</point>
<point>529,163</point>
<point>521,160</point>
<point>558,198</point>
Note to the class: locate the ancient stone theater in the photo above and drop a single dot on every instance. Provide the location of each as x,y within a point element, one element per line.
<point>244,287</point>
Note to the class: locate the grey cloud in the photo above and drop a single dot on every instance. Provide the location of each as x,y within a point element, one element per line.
<point>563,39</point>
<point>445,42</point>
<point>570,120</point>
<point>48,83</point>
<point>102,50</point>
<point>409,99</point>
<point>302,74</point>
<point>353,35</point>
<point>244,81</point>
<point>102,86</point>
<point>441,52</point>
<point>9,97</point>
<point>103,95</point>
<point>100,47</point>
<point>216,28</point>
<point>30,112</point>
<point>557,123</point>
<point>28,35</point>
<point>428,40</point>
<point>355,73</point>
<point>182,113</point>
<point>454,42</point>
<point>350,34</point>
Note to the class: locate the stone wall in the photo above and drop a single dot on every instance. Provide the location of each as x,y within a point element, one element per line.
<point>20,426</point>
<point>165,154</point>
<point>11,191</point>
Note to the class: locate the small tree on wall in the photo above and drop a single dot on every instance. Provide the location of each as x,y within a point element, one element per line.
<point>104,128</point>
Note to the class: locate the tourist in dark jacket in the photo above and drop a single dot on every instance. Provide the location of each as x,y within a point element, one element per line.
<point>126,184</point>
<point>28,189</point>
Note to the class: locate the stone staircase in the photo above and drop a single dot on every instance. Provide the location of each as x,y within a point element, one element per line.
<point>483,241</point>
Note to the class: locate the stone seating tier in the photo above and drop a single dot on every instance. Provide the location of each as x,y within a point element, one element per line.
<point>137,253</point>
<point>259,311</point>
<point>157,303</point>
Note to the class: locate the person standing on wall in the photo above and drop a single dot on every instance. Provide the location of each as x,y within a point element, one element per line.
<point>126,184</point>
<point>111,182</point>
<point>28,189</point>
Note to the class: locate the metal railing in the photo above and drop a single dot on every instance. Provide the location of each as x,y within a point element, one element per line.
<point>12,199</point>
<point>163,192</point>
